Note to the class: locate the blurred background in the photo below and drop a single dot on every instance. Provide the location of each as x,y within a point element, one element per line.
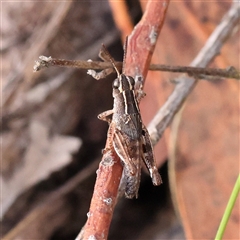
<point>52,139</point>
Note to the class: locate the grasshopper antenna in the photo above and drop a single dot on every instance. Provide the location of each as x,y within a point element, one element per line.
<point>125,53</point>
<point>110,58</point>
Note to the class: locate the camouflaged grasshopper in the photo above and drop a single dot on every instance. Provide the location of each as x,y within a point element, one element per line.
<point>131,140</point>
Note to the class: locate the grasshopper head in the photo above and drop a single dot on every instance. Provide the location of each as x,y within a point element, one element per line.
<point>123,83</point>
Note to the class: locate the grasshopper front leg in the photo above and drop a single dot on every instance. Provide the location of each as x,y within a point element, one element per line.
<point>105,116</point>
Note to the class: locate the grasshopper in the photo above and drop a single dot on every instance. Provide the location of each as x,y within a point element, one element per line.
<point>131,140</point>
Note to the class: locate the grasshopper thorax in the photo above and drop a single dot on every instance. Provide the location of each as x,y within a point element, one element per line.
<point>123,83</point>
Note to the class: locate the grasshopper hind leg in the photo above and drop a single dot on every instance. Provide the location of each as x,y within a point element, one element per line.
<point>129,152</point>
<point>149,159</point>
<point>133,180</point>
<point>129,185</point>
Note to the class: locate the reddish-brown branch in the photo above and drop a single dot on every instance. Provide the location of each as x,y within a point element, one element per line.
<point>104,197</point>
<point>142,41</point>
<point>105,194</point>
<point>139,51</point>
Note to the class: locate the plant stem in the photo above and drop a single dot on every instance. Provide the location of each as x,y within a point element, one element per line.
<point>228,210</point>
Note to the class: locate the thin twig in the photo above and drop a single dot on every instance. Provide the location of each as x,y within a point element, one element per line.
<point>201,73</point>
<point>45,62</point>
<point>186,84</point>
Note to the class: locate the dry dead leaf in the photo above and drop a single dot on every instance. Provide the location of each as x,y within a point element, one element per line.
<point>44,155</point>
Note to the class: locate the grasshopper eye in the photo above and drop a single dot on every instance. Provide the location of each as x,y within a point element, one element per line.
<point>116,83</point>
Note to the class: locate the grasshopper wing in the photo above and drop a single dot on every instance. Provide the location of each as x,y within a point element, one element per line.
<point>129,152</point>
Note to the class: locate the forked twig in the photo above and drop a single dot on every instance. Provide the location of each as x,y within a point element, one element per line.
<point>101,211</point>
